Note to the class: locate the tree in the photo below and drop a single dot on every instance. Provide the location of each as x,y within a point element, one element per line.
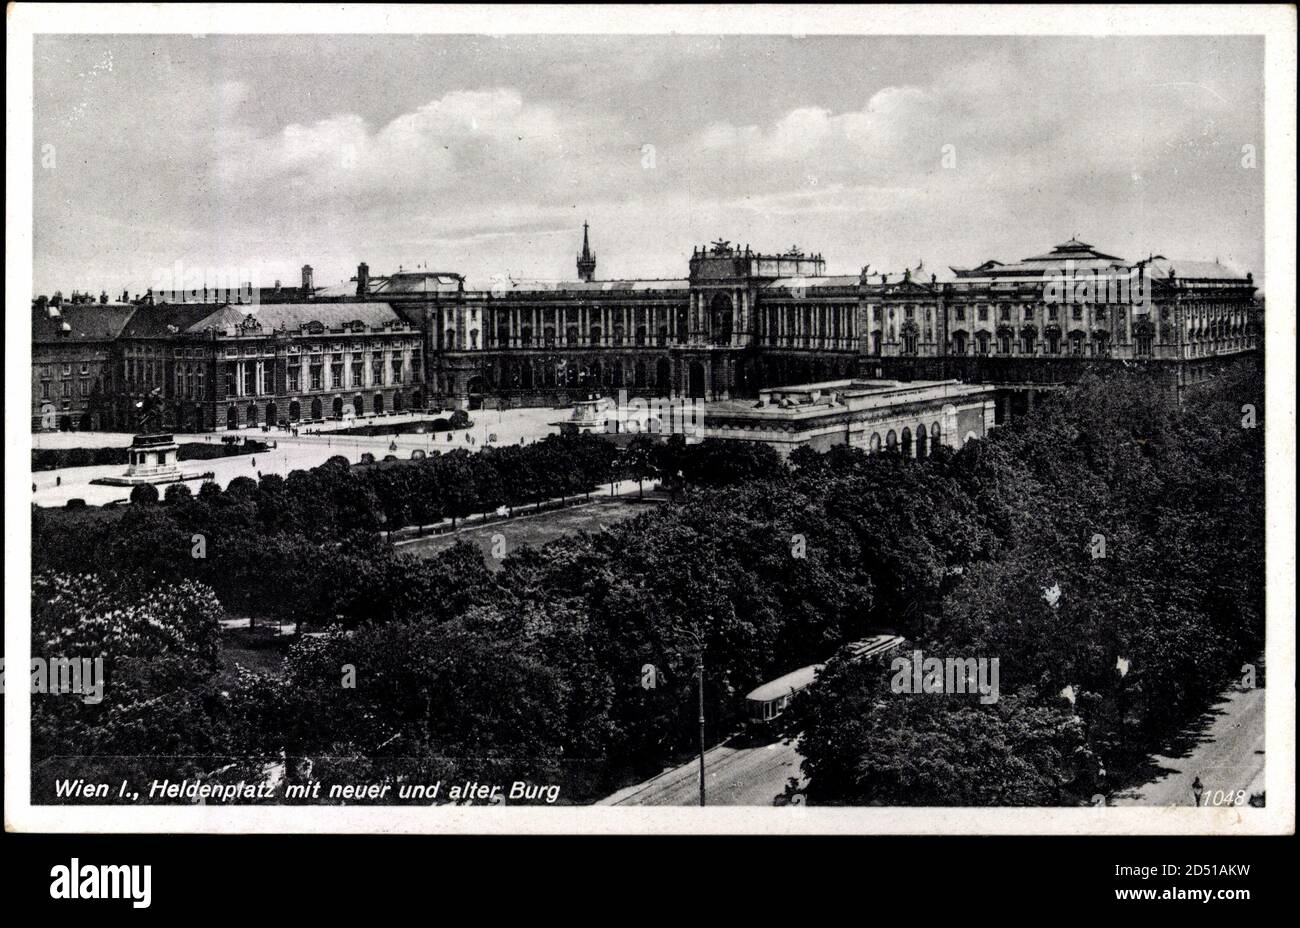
<point>144,494</point>
<point>637,461</point>
<point>158,648</point>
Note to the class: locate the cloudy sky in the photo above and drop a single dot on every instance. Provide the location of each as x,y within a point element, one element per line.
<point>485,155</point>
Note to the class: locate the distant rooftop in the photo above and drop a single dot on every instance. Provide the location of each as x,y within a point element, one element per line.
<point>293,316</point>
<point>80,321</point>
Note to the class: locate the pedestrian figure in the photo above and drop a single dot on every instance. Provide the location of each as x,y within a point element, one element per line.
<point>1197,790</point>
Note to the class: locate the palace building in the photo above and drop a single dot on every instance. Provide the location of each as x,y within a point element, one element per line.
<point>740,322</point>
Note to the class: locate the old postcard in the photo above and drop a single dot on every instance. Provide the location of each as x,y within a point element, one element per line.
<point>651,419</point>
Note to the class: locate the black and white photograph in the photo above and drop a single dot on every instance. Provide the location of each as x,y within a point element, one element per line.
<point>656,419</point>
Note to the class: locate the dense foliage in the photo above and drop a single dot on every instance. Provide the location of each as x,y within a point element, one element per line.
<point>539,671</point>
<point>1143,634</point>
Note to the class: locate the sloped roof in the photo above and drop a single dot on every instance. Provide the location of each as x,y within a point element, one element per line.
<point>788,283</point>
<point>508,285</point>
<point>1072,250</point>
<point>1194,270</point>
<point>292,316</point>
<point>84,320</point>
<point>403,283</point>
<point>415,282</point>
<point>164,319</point>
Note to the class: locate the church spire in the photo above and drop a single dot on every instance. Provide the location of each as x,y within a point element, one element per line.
<point>586,260</point>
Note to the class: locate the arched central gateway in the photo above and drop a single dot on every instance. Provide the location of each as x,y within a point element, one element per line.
<point>697,380</point>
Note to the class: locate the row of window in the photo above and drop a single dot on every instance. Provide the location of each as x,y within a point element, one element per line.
<point>1052,344</point>
<point>255,379</point>
<point>595,337</point>
<point>46,370</point>
<point>65,388</point>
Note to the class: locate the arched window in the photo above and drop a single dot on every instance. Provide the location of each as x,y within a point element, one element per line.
<point>907,443</point>
<point>891,441</point>
<point>875,443</point>
<point>721,319</point>
<point>922,444</point>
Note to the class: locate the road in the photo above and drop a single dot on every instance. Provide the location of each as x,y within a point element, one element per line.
<point>1228,757</point>
<point>736,775</point>
<point>750,776</point>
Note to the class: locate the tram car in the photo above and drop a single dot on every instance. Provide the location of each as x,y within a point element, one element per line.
<point>768,701</point>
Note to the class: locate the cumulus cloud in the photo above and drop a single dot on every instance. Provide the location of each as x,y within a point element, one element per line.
<point>892,117</point>
<point>475,138</point>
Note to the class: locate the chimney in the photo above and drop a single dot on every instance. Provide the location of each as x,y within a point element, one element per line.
<point>306,278</point>
<point>363,279</point>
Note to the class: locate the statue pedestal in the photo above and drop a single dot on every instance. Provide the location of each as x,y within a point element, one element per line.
<point>153,459</point>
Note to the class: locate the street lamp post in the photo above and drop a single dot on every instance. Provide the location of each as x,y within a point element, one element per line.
<point>698,639</point>
<point>699,662</point>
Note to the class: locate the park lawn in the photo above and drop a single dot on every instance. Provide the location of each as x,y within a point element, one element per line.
<point>534,530</point>
<point>258,650</point>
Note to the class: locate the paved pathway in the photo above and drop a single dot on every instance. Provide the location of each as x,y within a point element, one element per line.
<point>733,776</point>
<point>1228,757</point>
